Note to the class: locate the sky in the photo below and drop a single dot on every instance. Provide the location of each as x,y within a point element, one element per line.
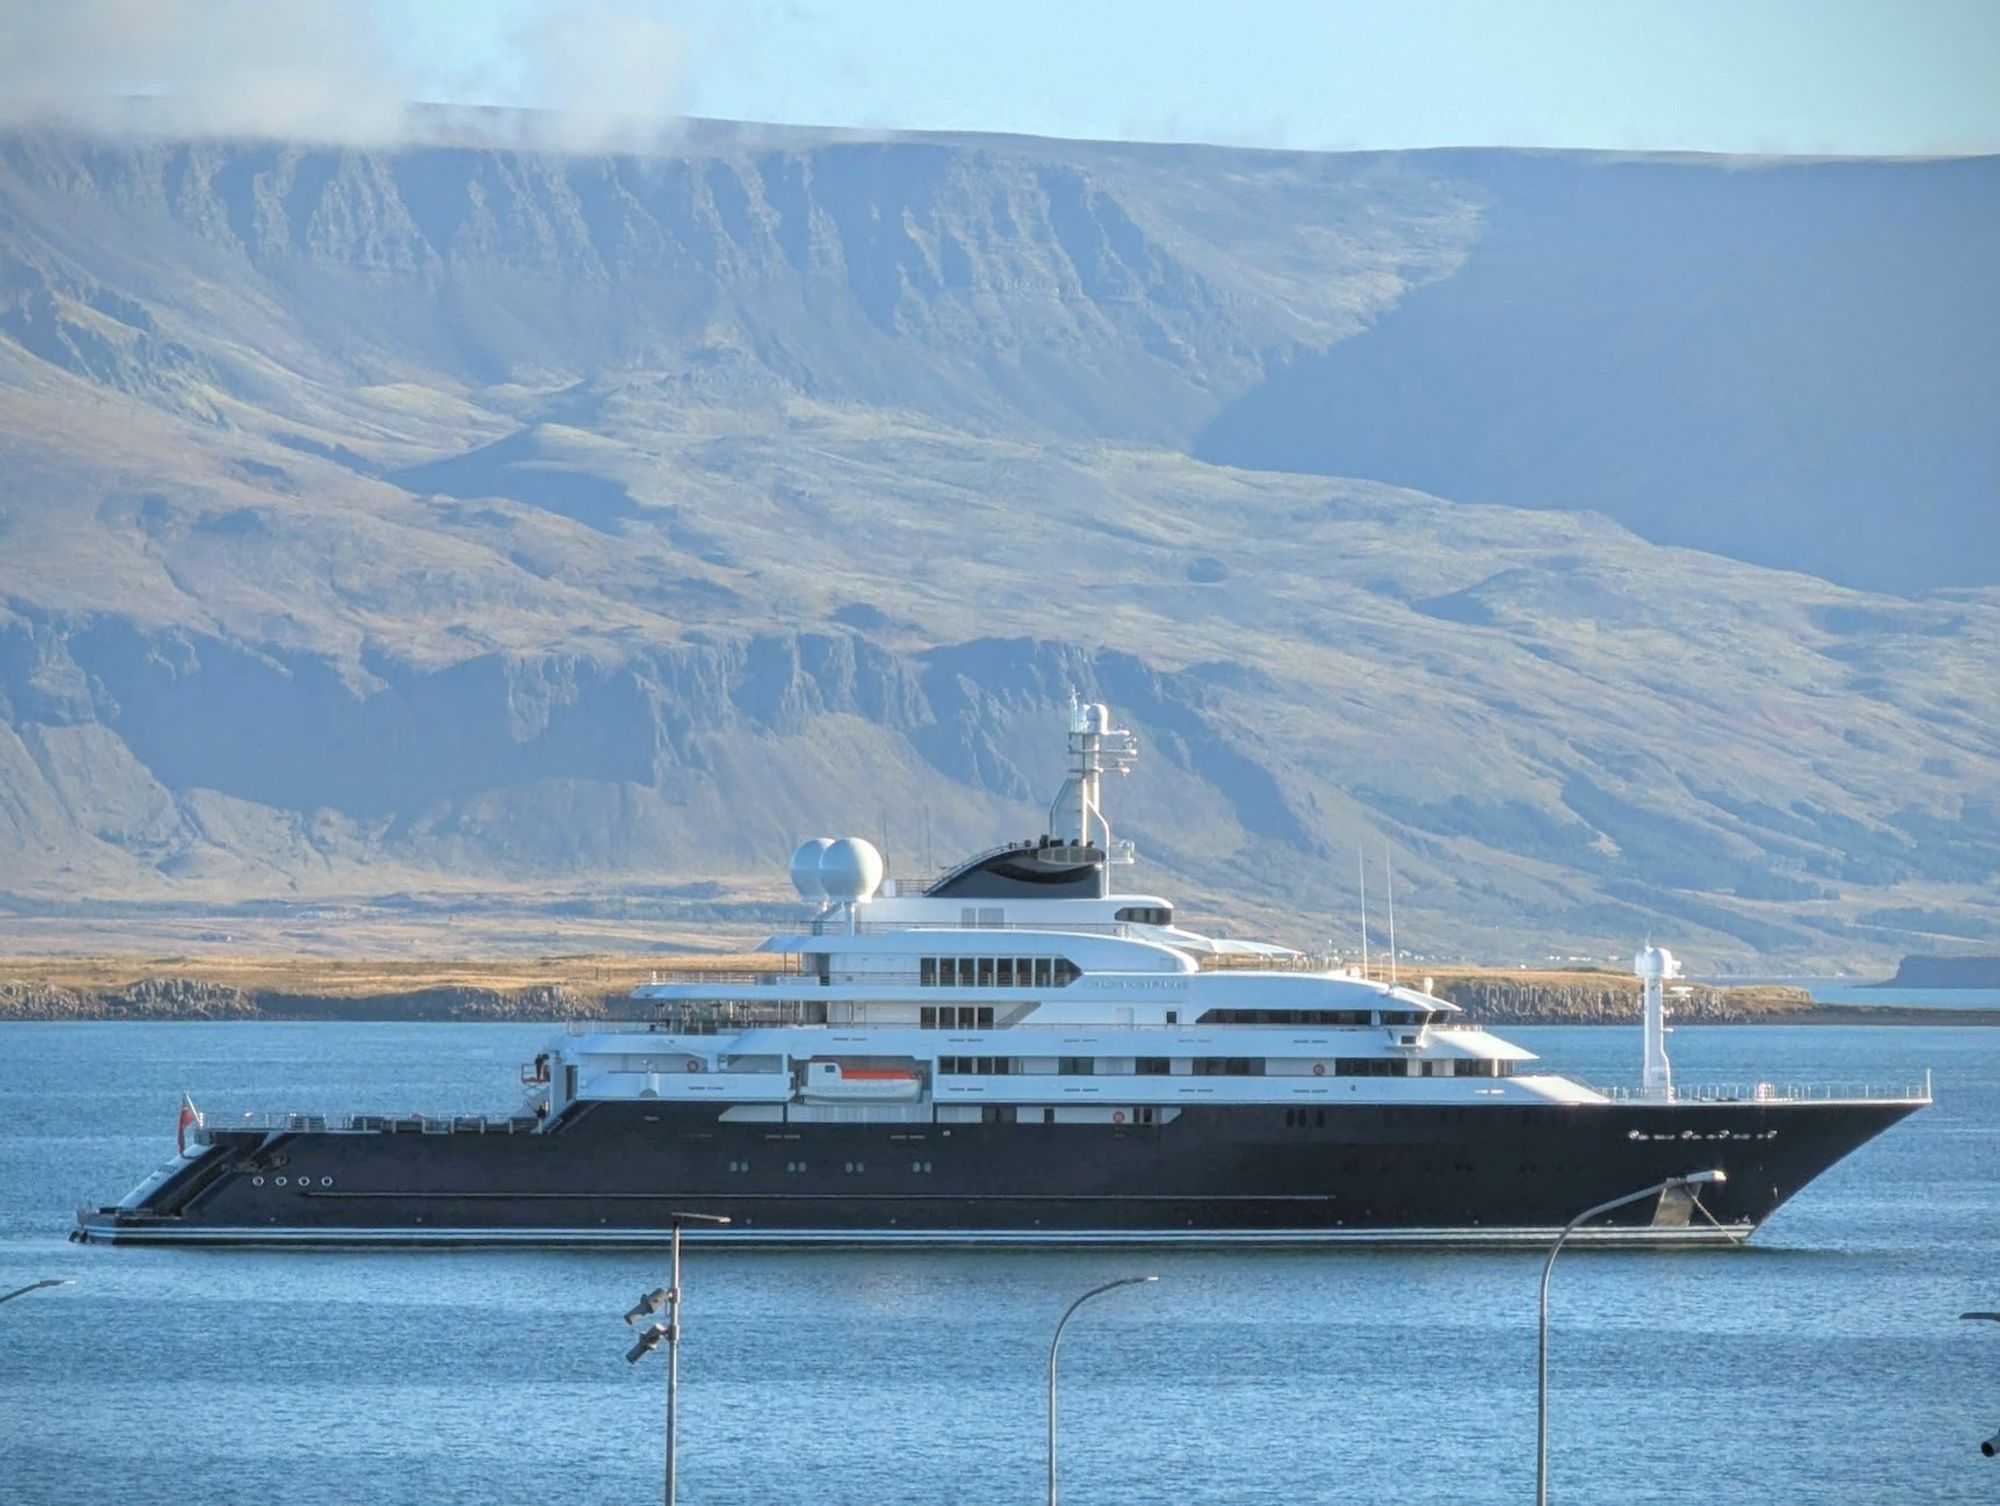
<point>1805,76</point>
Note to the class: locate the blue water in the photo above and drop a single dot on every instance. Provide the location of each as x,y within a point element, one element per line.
<point>1825,1362</point>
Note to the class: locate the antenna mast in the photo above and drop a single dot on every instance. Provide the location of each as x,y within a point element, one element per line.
<point>1361,867</point>
<point>1389,872</point>
<point>1096,748</point>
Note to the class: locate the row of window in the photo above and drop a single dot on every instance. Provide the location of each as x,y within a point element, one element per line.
<point>1311,1017</point>
<point>1229,1066</point>
<point>955,1017</point>
<point>1146,915</point>
<point>996,972</point>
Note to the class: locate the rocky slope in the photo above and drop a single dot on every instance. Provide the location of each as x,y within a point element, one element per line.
<point>394,522</point>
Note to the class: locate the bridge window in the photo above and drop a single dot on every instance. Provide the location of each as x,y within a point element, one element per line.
<point>996,972</point>
<point>1146,915</point>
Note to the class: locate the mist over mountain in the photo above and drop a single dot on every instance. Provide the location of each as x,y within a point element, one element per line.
<point>405,520</point>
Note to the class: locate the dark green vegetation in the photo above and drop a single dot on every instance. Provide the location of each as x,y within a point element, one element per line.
<point>456,519</point>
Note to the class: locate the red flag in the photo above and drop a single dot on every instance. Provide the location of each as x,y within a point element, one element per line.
<point>188,1117</point>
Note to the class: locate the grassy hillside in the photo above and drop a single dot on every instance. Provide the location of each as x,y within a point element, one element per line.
<point>452,537</point>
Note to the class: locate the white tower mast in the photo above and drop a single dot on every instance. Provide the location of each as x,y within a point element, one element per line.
<point>1654,965</point>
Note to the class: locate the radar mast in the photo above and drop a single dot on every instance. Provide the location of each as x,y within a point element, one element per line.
<point>1096,748</point>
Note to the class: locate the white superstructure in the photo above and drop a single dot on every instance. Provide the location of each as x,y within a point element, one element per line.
<point>1018,986</point>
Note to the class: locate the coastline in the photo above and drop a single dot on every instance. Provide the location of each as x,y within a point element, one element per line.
<point>570,989</point>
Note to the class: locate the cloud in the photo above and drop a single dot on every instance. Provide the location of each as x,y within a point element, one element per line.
<point>603,75</point>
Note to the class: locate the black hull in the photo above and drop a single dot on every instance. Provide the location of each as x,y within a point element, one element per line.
<point>612,1173</point>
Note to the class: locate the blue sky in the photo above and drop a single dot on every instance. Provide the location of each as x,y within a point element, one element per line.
<point>1839,76</point>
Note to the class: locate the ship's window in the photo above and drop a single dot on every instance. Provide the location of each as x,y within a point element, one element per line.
<point>1153,1066</point>
<point>985,1020</point>
<point>1285,1017</point>
<point>1048,1116</point>
<point>1228,1066</point>
<point>927,972</point>
<point>1076,1066</point>
<point>927,1017</point>
<point>1401,1017</point>
<point>1366,1066</point>
<point>1066,972</point>
<point>1142,1116</point>
<point>1003,976</point>
<point>1173,1017</point>
<point>985,972</point>
<point>1041,972</point>
<point>1146,915</point>
<point>1319,1118</point>
<point>1024,971</point>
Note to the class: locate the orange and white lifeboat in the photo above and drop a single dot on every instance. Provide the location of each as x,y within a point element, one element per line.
<point>844,1082</point>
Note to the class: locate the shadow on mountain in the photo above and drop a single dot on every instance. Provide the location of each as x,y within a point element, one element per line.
<point>521,468</point>
<point>1790,364</point>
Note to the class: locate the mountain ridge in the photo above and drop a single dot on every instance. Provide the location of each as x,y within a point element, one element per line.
<point>340,559</point>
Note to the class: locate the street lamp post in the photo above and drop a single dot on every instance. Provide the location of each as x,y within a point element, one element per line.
<point>1056,1344</point>
<point>1989,1447</point>
<point>669,1297</point>
<point>1692,1179</point>
<point>35,1286</point>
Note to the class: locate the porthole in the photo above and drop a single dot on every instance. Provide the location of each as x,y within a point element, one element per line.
<point>281,1181</point>
<point>326,1181</point>
<point>256,1181</point>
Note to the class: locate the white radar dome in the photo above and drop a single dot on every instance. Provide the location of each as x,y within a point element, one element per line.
<point>805,868</point>
<point>1655,962</point>
<point>851,870</point>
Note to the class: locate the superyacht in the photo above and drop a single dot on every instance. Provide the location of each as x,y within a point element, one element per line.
<point>1016,1051</point>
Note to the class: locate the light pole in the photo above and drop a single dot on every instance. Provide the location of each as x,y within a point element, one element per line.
<point>1056,1344</point>
<point>35,1286</point>
<point>668,1297</point>
<point>1692,1179</point>
<point>1991,1445</point>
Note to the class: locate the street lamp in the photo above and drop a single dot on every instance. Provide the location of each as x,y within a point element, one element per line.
<point>1692,1179</point>
<point>669,1297</point>
<point>1095,1291</point>
<point>1990,1446</point>
<point>35,1286</point>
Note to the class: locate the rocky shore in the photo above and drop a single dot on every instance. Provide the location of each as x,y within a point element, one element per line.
<point>580,989</point>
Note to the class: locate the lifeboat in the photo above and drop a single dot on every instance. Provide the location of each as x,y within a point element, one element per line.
<point>840,1082</point>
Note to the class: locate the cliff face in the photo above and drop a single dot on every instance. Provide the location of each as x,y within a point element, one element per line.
<point>377,522</point>
<point>1946,972</point>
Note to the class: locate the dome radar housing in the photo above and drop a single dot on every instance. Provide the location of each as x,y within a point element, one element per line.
<point>805,869</point>
<point>850,870</point>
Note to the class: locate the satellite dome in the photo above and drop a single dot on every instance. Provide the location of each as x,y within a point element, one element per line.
<point>1655,962</point>
<point>805,868</point>
<point>851,870</point>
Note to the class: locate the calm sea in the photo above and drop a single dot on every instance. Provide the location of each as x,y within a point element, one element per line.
<point>1824,1362</point>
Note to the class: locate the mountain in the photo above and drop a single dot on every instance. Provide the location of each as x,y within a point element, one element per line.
<point>448,521</point>
<point>1794,363</point>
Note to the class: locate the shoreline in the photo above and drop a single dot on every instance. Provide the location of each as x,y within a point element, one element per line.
<point>563,990</point>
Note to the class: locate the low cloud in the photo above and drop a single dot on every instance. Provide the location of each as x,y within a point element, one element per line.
<point>603,75</point>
